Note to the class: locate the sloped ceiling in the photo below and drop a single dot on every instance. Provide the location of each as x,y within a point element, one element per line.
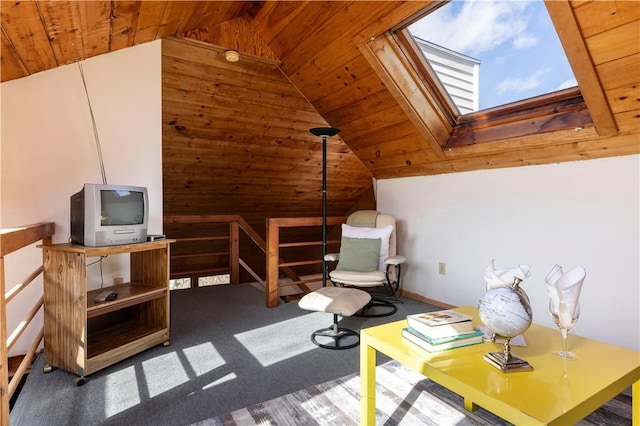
<point>327,62</point>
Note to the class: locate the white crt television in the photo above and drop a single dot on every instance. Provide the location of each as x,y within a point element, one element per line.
<point>108,215</point>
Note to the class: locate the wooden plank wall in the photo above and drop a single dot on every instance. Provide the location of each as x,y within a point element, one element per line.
<point>236,141</point>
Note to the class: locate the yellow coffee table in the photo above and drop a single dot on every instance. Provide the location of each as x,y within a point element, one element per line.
<point>555,392</point>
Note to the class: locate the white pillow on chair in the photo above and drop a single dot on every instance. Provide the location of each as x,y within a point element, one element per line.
<point>371,233</point>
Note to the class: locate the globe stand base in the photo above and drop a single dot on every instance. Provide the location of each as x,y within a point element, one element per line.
<point>505,361</point>
<point>511,365</point>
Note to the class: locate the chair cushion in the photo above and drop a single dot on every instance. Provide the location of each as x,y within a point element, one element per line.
<point>335,300</point>
<point>372,233</point>
<point>359,254</point>
<point>362,279</point>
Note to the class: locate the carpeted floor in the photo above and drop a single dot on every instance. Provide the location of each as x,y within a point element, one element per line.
<point>227,351</point>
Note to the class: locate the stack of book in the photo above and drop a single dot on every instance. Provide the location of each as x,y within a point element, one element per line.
<point>441,330</point>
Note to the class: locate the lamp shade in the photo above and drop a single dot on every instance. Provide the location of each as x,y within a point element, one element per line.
<point>325,131</point>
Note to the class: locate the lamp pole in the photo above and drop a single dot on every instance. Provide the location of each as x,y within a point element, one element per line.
<point>324,133</point>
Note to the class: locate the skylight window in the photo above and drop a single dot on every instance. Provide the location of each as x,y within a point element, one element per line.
<point>491,53</point>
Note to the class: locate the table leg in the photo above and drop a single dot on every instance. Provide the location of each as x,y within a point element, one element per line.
<point>469,405</point>
<point>367,384</point>
<point>635,404</point>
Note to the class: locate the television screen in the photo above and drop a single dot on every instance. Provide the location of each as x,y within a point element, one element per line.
<point>121,207</point>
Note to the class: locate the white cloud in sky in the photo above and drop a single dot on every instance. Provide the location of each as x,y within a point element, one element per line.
<point>524,41</point>
<point>479,26</point>
<point>567,83</point>
<point>521,84</point>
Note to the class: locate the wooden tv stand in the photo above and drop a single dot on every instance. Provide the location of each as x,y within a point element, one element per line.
<point>83,336</point>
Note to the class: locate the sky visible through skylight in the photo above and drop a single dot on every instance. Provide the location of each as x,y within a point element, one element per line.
<point>515,41</point>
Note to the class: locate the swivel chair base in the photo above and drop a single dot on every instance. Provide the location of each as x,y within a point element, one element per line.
<point>377,308</point>
<point>336,337</point>
<point>337,301</point>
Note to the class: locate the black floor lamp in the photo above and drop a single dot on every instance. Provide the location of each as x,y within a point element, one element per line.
<point>324,133</point>
<point>335,300</point>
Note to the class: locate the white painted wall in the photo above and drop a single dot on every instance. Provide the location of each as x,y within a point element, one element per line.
<point>574,213</point>
<point>48,152</point>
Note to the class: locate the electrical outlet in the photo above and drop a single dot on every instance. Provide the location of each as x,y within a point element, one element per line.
<point>442,268</point>
<point>118,280</point>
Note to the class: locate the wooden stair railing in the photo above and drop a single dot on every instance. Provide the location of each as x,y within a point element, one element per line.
<point>12,240</point>
<point>236,223</point>
<point>274,259</point>
<point>275,265</point>
<point>232,252</point>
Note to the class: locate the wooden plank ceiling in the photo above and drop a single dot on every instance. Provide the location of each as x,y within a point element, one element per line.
<point>235,135</point>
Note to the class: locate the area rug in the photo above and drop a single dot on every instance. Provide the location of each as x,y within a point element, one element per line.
<point>403,397</point>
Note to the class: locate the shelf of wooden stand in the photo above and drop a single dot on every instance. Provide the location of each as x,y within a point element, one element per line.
<point>129,294</point>
<point>118,336</point>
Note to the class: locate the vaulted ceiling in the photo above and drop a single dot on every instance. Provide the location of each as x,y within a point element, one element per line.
<point>235,135</point>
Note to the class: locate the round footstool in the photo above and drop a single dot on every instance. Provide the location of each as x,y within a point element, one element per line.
<point>337,301</point>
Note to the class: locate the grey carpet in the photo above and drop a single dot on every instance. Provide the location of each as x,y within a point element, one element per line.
<point>228,351</point>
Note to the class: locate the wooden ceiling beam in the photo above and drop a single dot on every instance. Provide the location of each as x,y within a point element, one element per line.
<point>408,90</point>
<point>597,17</point>
<point>564,21</point>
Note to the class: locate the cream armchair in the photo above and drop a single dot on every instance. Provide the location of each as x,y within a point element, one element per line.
<point>368,260</point>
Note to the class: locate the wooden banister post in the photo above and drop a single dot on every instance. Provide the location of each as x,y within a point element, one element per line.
<point>273,251</point>
<point>234,252</point>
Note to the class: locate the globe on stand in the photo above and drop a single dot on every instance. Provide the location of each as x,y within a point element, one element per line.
<point>506,312</point>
